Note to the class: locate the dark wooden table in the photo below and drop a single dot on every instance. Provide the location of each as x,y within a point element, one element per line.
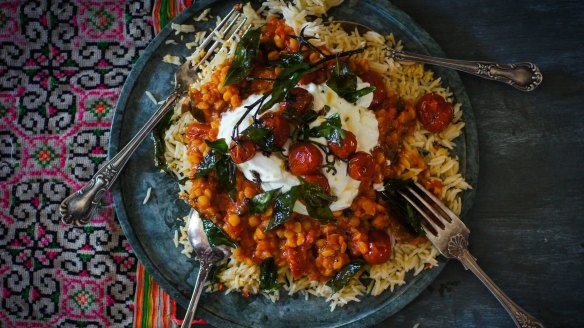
<point>527,228</point>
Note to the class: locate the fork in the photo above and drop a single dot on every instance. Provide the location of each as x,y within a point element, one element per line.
<point>450,236</point>
<point>78,207</point>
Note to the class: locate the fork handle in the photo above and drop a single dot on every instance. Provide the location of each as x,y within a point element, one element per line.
<point>522,76</point>
<point>520,316</point>
<point>78,207</point>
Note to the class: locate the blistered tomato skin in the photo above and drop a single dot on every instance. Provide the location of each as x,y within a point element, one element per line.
<point>298,101</point>
<point>361,166</point>
<point>377,81</point>
<point>242,152</point>
<point>279,125</point>
<point>434,112</point>
<point>379,248</point>
<point>347,148</point>
<point>304,158</point>
<point>198,130</point>
<point>320,179</point>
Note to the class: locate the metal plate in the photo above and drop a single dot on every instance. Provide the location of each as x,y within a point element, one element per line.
<point>150,228</point>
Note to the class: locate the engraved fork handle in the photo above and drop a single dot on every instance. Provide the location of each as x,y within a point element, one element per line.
<point>520,316</point>
<point>522,76</point>
<point>78,207</point>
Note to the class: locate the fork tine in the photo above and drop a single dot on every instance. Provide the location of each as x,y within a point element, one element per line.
<point>428,220</point>
<point>449,214</point>
<point>217,42</point>
<point>219,26</point>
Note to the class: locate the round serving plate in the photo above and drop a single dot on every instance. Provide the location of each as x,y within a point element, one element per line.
<point>150,227</point>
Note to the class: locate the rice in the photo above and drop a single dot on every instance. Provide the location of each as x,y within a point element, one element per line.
<point>147,198</point>
<point>180,28</point>
<point>410,81</point>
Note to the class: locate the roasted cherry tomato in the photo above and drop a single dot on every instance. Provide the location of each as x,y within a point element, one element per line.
<point>347,147</point>
<point>298,100</point>
<point>361,166</point>
<point>279,125</point>
<point>377,81</point>
<point>242,151</point>
<point>198,130</point>
<point>379,248</point>
<point>320,179</point>
<point>304,158</point>
<point>434,112</point>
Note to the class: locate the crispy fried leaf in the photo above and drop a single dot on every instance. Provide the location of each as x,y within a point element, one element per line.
<point>397,203</point>
<point>245,56</point>
<point>262,136</point>
<point>283,208</point>
<point>317,200</point>
<point>344,82</point>
<point>260,202</point>
<point>269,276</point>
<point>226,173</point>
<point>218,144</point>
<point>331,129</point>
<point>216,236</point>
<point>208,163</point>
<point>342,277</point>
<point>158,139</point>
<point>287,79</point>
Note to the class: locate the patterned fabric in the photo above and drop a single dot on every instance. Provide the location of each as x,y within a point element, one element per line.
<point>62,65</point>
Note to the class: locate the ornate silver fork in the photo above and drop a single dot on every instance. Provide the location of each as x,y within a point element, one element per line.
<point>79,206</point>
<point>450,236</point>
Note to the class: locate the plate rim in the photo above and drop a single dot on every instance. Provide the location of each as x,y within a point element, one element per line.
<point>422,281</point>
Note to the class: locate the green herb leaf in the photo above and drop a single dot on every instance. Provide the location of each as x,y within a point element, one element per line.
<point>405,211</point>
<point>262,136</point>
<point>215,235</point>
<point>226,173</point>
<point>269,276</point>
<point>208,163</point>
<point>344,82</point>
<point>260,202</point>
<point>216,270</point>
<point>287,79</point>
<point>331,129</point>
<point>283,208</point>
<point>245,56</point>
<point>287,59</point>
<point>158,139</point>
<point>219,145</point>
<point>342,277</point>
<point>317,200</point>
<point>354,96</point>
<point>342,79</point>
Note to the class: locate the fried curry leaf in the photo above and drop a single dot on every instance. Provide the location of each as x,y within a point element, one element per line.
<point>283,207</point>
<point>260,202</point>
<point>226,173</point>
<point>269,276</point>
<point>262,136</point>
<point>219,145</point>
<point>245,56</point>
<point>406,212</point>
<point>317,200</point>
<point>287,59</point>
<point>354,96</point>
<point>208,163</point>
<point>344,82</point>
<point>219,160</point>
<point>342,79</point>
<point>216,236</point>
<point>287,79</point>
<point>158,139</point>
<point>342,277</point>
<point>330,129</point>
